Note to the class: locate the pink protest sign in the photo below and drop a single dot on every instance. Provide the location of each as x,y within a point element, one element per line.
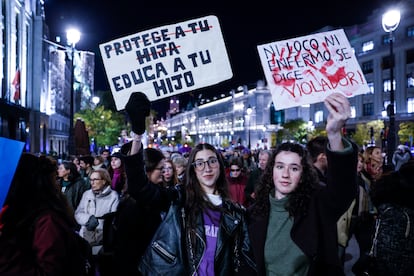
<point>305,70</point>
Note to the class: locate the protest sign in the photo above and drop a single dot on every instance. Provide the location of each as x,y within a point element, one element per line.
<point>305,70</point>
<point>166,61</point>
<point>11,151</point>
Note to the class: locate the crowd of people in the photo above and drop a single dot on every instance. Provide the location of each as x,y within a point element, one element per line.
<point>286,211</point>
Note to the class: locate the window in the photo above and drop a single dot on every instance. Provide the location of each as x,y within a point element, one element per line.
<point>367,67</point>
<point>353,111</point>
<point>410,56</point>
<point>410,105</point>
<point>319,116</point>
<point>371,87</point>
<point>276,116</point>
<point>386,62</point>
<point>367,46</point>
<point>387,85</point>
<point>410,80</point>
<point>410,31</point>
<point>367,109</point>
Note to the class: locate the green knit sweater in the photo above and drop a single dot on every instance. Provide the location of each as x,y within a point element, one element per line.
<point>282,255</point>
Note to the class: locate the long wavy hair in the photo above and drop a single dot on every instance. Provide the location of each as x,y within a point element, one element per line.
<point>298,199</point>
<point>195,196</point>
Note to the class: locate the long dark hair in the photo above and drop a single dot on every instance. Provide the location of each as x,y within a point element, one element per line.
<point>195,196</point>
<point>73,174</point>
<point>298,199</point>
<point>34,190</point>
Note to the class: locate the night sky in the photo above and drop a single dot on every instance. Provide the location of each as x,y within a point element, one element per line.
<point>244,26</point>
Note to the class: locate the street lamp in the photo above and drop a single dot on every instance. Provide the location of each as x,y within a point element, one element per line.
<point>249,111</point>
<point>73,37</point>
<point>390,22</point>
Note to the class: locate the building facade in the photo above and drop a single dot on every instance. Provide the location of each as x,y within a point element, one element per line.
<point>36,79</point>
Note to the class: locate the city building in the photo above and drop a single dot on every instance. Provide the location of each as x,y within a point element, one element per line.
<point>36,80</point>
<point>226,119</point>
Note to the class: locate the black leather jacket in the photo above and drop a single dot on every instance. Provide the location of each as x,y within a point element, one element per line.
<point>171,251</point>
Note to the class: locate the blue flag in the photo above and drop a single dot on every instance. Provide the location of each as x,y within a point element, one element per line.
<point>11,151</point>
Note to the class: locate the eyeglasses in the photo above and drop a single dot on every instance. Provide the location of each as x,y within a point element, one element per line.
<point>235,170</point>
<point>94,179</point>
<point>159,169</point>
<point>167,169</point>
<point>200,165</point>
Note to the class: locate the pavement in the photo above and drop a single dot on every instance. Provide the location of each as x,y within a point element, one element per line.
<point>351,255</point>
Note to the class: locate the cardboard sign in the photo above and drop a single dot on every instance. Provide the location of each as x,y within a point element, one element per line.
<point>305,70</point>
<point>166,61</point>
<point>10,151</point>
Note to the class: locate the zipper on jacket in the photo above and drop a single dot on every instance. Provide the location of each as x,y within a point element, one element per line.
<point>163,253</point>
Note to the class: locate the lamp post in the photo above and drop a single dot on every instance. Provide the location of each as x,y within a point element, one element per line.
<point>73,37</point>
<point>249,111</point>
<point>390,22</point>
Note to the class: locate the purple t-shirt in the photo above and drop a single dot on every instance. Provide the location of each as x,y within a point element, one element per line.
<point>211,226</point>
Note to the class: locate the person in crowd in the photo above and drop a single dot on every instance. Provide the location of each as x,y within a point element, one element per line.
<point>316,148</point>
<point>264,156</point>
<point>71,183</point>
<point>98,162</point>
<point>75,160</point>
<point>214,234</point>
<point>180,163</point>
<point>106,154</point>
<point>95,203</point>
<point>364,215</point>
<point>37,228</point>
<point>117,173</point>
<point>136,218</point>
<point>237,180</point>
<point>249,163</point>
<point>86,167</point>
<point>293,223</point>
<point>373,162</point>
<point>401,156</point>
<point>154,165</point>
<point>169,174</point>
<point>393,246</point>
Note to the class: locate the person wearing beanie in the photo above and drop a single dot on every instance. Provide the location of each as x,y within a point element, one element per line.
<point>134,218</point>
<point>117,172</point>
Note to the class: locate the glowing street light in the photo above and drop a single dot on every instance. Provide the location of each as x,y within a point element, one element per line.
<point>73,37</point>
<point>390,22</point>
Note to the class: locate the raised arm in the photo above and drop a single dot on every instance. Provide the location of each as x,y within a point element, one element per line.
<point>342,158</point>
<point>339,112</point>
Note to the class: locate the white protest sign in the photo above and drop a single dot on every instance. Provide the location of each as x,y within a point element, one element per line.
<point>305,70</point>
<point>166,61</point>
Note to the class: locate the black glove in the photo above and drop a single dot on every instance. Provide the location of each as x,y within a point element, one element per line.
<point>138,108</point>
<point>92,223</point>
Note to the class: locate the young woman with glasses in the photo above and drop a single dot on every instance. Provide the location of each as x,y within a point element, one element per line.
<point>208,235</point>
